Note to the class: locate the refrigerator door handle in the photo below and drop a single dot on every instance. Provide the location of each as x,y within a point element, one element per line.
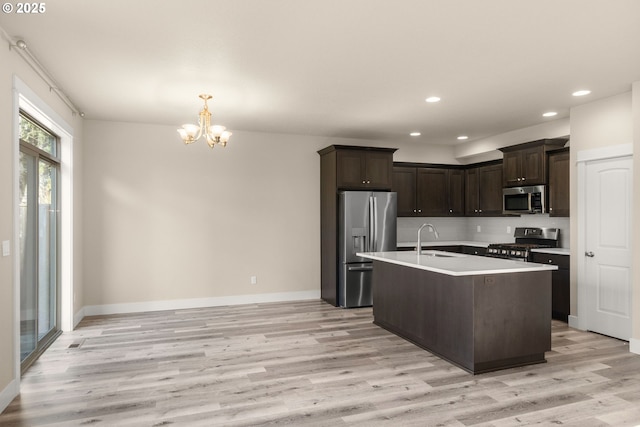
<point>374,226</point>
<point>370,225</point>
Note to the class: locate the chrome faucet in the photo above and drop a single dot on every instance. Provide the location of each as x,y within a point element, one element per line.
<point>435,233</point>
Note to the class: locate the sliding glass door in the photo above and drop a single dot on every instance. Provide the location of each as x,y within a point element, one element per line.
<point>39,242</point>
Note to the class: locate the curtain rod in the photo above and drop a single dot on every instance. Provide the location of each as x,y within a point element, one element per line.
<point>21,48</point>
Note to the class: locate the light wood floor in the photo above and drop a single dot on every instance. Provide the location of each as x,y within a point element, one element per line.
<point>308,363</point>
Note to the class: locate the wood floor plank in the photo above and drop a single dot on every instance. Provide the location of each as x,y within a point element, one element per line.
<point>308,363</point>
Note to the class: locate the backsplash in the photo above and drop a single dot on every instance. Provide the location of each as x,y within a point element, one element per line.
<point>492,230</point>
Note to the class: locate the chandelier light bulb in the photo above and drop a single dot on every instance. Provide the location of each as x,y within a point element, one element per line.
<point>216,130</point>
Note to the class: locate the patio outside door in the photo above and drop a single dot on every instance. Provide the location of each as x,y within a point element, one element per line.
<point>38,238</point>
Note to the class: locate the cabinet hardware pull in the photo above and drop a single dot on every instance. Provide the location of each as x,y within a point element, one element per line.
<point>589,254</point>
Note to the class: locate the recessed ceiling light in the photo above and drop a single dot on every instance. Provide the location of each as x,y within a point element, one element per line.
<point>463,137</point>
<point>414,134</point>
<point>581,92</point>
<point>549,114</point>
<point>432,99</point>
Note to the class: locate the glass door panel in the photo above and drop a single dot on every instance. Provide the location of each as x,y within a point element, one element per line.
<point>38,218</point>
<point>47,248</point>
<point>28,236</point>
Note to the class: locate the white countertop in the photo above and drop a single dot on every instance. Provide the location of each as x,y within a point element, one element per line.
<point>455,264</point>
<point>435,243</point>
<point>443,243</point>
<point>554,251</point>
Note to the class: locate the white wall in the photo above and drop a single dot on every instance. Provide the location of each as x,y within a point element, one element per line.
<point>635,105</point>
<point>12,65</point>
<point>604,123</point>
<point>165,222</point>
<point>487,148</point>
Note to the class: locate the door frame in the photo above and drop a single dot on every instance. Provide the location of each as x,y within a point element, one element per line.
<point>583,157</point>
<point>26,99</point>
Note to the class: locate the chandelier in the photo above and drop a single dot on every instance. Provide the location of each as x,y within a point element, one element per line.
<point>215,134</point>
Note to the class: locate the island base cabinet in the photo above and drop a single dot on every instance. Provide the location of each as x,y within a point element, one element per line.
<point>480,323</point>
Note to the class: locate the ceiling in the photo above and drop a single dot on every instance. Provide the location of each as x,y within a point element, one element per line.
<point>337,68</point>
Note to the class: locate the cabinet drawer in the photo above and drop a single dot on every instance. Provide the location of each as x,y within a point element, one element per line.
<point>562,261</point>
<point>474,250</point>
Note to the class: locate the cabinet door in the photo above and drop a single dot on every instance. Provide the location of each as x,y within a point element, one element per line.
<point>351,169</point>
<point>512,168</point>
<point>559,184</point>
<point>456,192</point>
<point>404,183</point>
<point>432,188</point>
<point>471,192</point>
<point>560,279</point>
<point>533,170</point>
<point>490,190</point>
<point>378,170</point>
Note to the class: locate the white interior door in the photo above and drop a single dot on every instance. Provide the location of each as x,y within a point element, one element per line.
<point>608,246</point>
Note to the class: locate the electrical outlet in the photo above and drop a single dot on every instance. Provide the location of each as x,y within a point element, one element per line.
<point>254,280</point>
<point>6,248</point>
<point>509,229</point>
<point>479,229</point>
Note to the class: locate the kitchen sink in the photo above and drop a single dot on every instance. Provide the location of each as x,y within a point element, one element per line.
<point>441,254</point>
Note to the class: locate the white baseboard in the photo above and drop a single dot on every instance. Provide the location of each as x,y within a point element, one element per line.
<point>8,394</point>
<point>137,307</point>
<point>77,318</point>
<point>634,343</point>
<point>574,322</point>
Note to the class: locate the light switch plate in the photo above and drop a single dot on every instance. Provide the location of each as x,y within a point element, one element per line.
<point>6,248</point>
<point>479,229</point>
<point>509,229</point>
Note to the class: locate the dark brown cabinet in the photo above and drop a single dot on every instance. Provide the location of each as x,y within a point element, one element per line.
<point>440,191</point>
<point>483,190</point>
<point>345,168</point>
<point>404,183</point>
<point>525,164</point>
<point>559,183</point>
<point>428,191</point>
<point>560,279</point>
<point>364,169</point>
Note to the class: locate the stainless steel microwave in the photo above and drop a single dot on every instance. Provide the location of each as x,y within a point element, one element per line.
<point>524,200</point>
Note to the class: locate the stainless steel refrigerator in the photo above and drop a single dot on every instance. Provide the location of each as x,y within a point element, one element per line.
<point>366,223</point>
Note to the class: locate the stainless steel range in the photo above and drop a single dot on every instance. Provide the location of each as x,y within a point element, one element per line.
<point>527,238</point>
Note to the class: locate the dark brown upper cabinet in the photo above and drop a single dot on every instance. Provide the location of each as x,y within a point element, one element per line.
<point>362,168</point>
<point>559,182</point>
<point>483,190</point>
<point>404,183</point>
<point>525,164</point>
<point>428,190</point>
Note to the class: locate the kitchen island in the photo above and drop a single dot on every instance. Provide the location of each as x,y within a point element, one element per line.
<point>481,314</point>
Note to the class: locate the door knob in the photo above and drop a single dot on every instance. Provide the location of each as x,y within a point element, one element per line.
<point>589,254</point>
